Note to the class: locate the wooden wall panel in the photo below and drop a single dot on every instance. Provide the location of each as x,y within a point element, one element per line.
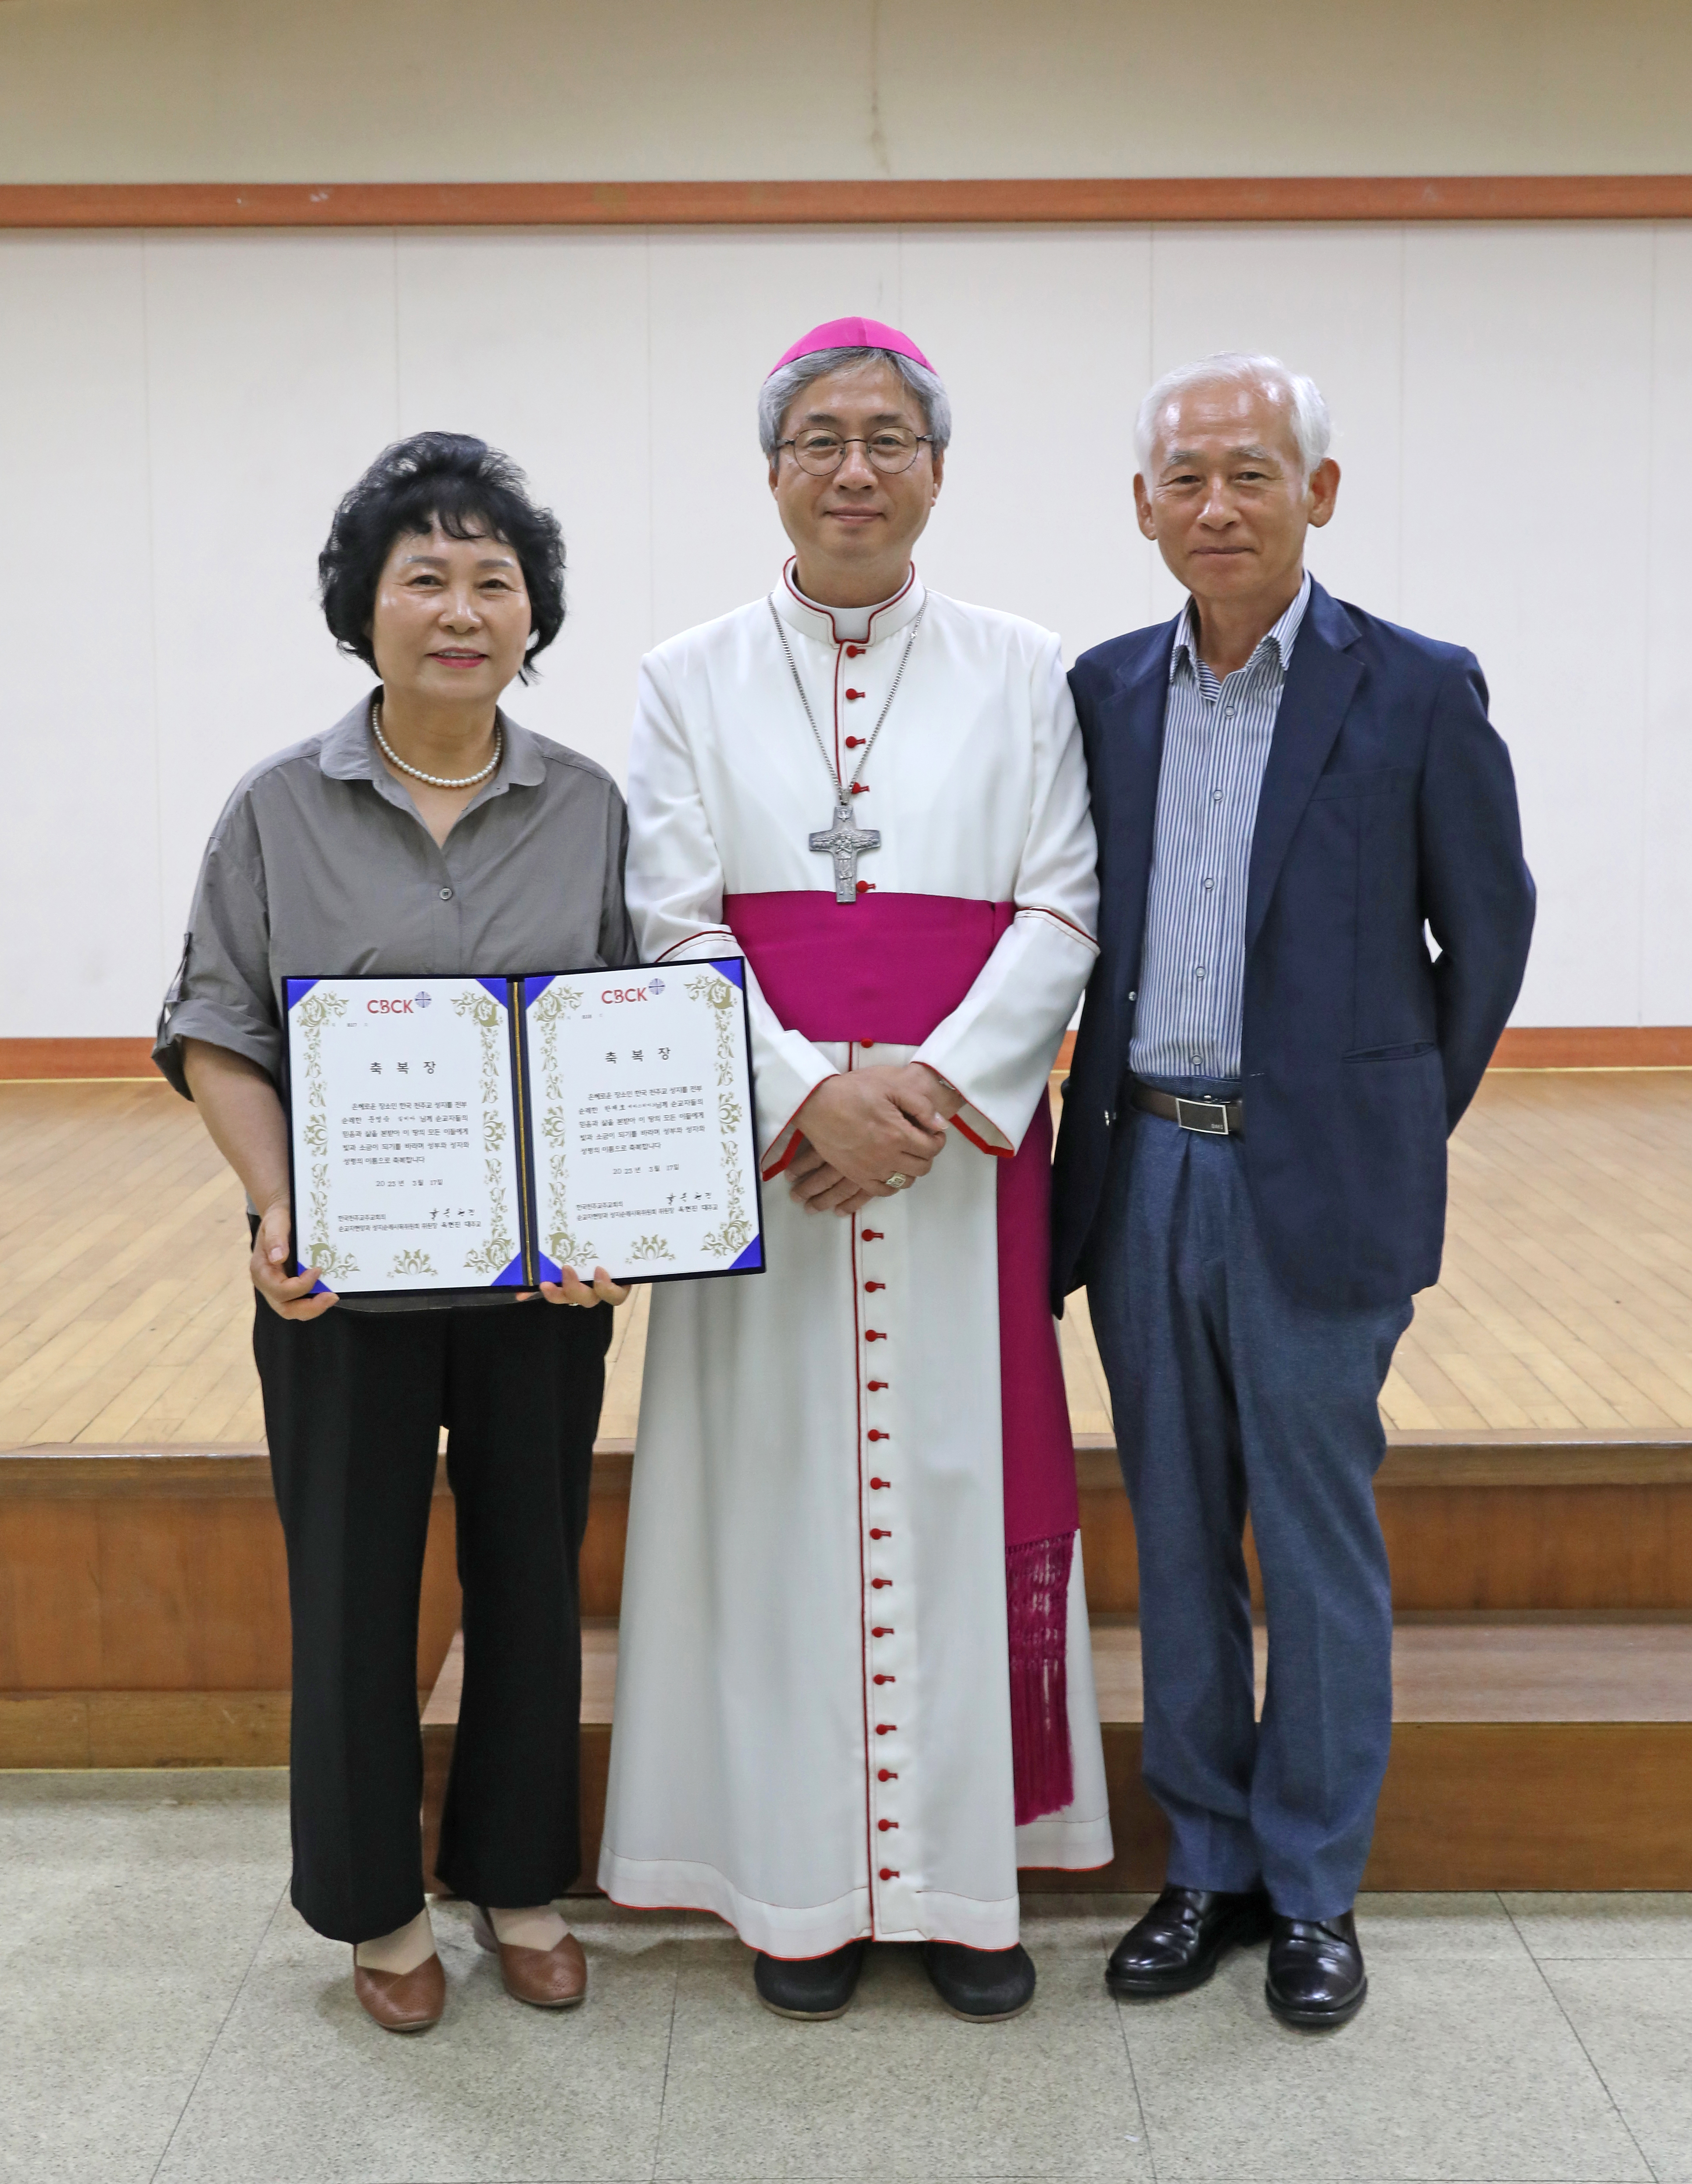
<point>1469,1547</point>
<point>608,1528</point>
<point>1528,1046</point>
<point>1110,1553</point>
<point>185,1589</point>
<point>1544,1547</point>
<point>27,1060</point>
<point>1595,1046</point>
<point>193,1596</point>
<point>174,1580</point>
<point>1067,200</point>
<point>1536,1805</point>
<point>50,1573</point>
<point>47,1730</point>
<point>143,1729</point>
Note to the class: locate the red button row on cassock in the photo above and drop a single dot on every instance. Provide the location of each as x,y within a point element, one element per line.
<point>875,1334</point>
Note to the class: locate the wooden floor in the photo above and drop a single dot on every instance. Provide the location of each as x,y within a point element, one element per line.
<point>1566,1304</point>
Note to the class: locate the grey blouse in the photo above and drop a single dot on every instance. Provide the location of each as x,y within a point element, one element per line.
<point>319,867</point>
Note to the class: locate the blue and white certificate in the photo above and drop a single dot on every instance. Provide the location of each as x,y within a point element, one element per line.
<point>478,1133</point>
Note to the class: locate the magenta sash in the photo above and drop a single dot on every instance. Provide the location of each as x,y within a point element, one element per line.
<point>890,968</point>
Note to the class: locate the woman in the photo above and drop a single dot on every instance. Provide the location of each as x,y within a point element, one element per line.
<point>425,833</point>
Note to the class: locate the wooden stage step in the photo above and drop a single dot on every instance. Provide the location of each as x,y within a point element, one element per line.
<point>143,1597</point>
<point>1489,1520</point>
<point>1530,1750</point>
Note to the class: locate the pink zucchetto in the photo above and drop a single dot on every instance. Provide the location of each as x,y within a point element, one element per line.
<point>851,333</point>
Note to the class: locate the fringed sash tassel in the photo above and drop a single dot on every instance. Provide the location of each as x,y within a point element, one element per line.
<point>1037,1588</point>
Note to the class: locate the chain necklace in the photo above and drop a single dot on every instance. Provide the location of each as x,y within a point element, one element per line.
<point>844,841</point>
<point>435,780</point>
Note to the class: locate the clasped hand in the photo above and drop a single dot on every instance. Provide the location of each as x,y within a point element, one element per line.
<point>864,1126</point>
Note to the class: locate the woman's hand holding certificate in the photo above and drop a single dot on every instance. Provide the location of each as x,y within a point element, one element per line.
<point>571,1288</point>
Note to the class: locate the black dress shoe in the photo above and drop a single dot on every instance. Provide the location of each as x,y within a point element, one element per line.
<point>811,1987</point>
<point>1316,1972</point>
<point>1181,1939</point>
<point>985,1986</point>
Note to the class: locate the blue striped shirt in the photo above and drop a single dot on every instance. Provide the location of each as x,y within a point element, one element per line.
<point>1215,744</point>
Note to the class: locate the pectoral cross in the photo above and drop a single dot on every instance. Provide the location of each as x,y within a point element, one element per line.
<point>845,843</point>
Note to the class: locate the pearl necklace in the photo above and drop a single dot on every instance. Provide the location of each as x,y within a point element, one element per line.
<point>435,780</point>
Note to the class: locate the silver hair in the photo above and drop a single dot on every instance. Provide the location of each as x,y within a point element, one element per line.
<point>779,389</point>
<point>1312,426</point>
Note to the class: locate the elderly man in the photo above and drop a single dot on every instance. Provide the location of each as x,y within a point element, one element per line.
<point>1290,794</point>
<point>854,1690</point>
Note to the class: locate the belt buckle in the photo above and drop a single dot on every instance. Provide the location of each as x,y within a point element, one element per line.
<point>1209,1117</point>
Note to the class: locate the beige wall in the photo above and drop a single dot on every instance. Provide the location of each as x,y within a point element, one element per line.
<point>186,408</point>
<point>421,90</point>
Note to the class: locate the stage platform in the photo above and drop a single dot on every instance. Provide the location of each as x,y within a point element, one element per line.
<point>1566,1306</point>
<point>1537,1495</point>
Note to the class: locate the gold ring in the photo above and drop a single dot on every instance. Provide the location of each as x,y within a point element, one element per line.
<point>897,1182</point>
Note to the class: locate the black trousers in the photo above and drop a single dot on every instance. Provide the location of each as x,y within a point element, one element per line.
<point>354,1405</point>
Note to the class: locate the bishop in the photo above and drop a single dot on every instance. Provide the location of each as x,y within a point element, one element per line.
<point>854,1692</point>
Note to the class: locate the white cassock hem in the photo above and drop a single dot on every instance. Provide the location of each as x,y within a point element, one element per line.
<point>1074,1840</point>
<point>782,1930</point>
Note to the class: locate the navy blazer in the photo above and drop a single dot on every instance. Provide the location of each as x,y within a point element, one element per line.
<point>1388,811</point>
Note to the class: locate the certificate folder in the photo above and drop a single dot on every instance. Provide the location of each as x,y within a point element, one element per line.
<point>466,1135</point>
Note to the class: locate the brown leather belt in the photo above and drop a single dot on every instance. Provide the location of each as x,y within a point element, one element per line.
<point>1208,1119</point>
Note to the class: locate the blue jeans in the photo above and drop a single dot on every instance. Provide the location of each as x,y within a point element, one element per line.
<point>1229,1396</point>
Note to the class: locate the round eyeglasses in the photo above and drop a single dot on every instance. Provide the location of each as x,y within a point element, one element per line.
<point>890,451</point>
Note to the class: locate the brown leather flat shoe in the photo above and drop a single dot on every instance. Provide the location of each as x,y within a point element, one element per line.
<point>403,2001</point>
<point>548,1979</point>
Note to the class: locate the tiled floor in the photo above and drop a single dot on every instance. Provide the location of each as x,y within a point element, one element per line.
<point>164,2013</point>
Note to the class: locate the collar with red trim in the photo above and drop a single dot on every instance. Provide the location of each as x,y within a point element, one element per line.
<point>827,627</point>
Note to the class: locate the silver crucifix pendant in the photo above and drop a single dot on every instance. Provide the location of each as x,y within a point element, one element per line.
<point>845,843</point>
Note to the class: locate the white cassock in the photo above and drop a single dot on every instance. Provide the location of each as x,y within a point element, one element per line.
<point>813,1728</point>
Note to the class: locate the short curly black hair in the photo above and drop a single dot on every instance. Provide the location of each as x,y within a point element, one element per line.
<point>470,489</point>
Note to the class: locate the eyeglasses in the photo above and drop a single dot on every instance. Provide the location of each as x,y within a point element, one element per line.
<point>890,451</point>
